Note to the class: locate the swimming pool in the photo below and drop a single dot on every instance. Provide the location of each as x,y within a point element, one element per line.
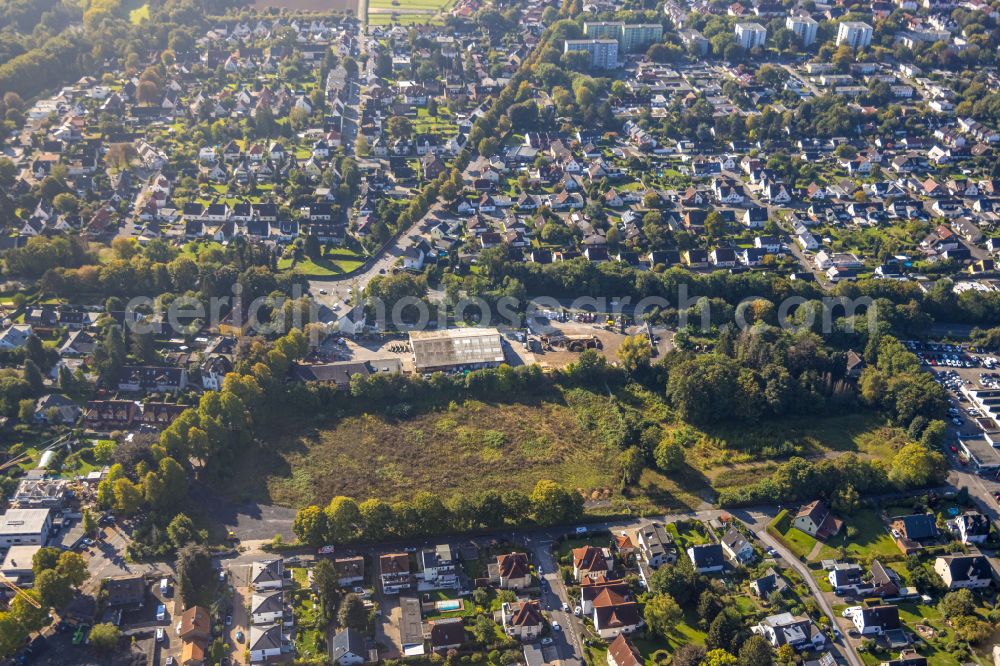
<point>449,605</point>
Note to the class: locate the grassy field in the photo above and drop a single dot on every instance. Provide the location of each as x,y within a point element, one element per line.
<point>797,541</point>
<point>405,12</point>
<point>871,540</point>
<point>468,445</point>
<point>573,436</point>
<point>334,263</point>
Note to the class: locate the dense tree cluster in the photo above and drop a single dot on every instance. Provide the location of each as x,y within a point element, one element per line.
<point>57,577</point>
<point>345,520</point>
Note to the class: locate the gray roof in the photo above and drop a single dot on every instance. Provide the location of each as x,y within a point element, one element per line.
<point>265,638</point>
<point>348,641</point>
<point>264,602</point>
<point>23,521</point>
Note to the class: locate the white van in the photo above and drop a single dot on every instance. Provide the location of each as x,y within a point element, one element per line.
<point>164,586</point>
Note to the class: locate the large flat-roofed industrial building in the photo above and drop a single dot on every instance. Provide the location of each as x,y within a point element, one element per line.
<point>456,349</point>
<point>25,527</point>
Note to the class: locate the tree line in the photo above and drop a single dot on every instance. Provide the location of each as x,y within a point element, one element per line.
<point>344,520</point>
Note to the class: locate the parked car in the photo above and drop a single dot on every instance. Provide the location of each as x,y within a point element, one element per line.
<point>160,634</point>
<point>547,641</point>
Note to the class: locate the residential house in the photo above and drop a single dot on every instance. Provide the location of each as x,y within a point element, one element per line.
<point>972,527</point>
<point>125,592</point>
<point>616,618</point>
<point>964,571</point>
<point>394,571</point>
<point>876,620</point>
<point>590,561</point>
<point>884,581</point>
<point>267,574</point>
<point>149,378</point>
<point>845,576</point>
<point>707,557</point>
<point>438,567</point>
<point>514,572</point>
<point>656,545</point>
<point>603,593</point>
<point>267,607</point>
<point>265,643</point>
<point>350,570</point>
<point>771,582</point>
<point>15,337</point>
<point>522,619</point>
<point>910,531</point>
<point>816,520</point>
<point>352,322</point>
<point>348,648</point>
<point>736,547</point>
<point>787,629</point>
<point>448,634</point>
<point>621,652</point>
<point>195,624</point>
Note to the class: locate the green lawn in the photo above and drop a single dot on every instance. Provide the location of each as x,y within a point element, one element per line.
<point>337,262</point>
<point>871,540</point>
<point>685,633</point>
<point>797,541</point>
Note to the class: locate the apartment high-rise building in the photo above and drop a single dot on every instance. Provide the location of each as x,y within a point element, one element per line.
<point>803,27</point>
<point>603,52</point>
<point>631,37</point>
<point>750,35</point>
<point>855,34</point>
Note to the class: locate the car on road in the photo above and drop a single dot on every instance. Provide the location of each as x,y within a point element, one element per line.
<point>239,636</point>
<point>547,641</point>
<point>160,634</point>
<point>565,607</point>
<point>323,292</point>
<point>581,530</point>
<point>169,662</point>
<point>229,620</point>
<point>957,421</point>
<point>556,627</point>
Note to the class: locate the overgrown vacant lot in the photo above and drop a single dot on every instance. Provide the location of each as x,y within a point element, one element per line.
<point>573,436</point>
<point>463,447</point>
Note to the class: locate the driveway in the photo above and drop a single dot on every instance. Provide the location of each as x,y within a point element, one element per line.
<point>387,628</point>
<point>239,577</point>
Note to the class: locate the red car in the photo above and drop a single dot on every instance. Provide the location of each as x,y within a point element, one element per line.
<point>996,496</point>
<point>954,449</point>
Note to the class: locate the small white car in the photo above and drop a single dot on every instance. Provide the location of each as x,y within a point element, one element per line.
<point>556,627</point>
<point>565,607</point>
<point>577,611</point>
